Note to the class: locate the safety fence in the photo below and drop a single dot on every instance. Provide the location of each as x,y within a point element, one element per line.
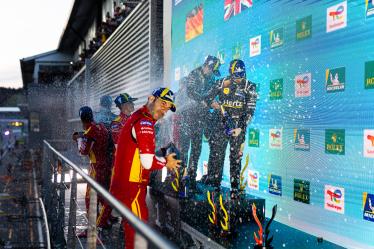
<point>62,177</point>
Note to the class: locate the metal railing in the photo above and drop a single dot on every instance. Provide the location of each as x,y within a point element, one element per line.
<point>53,191</point>
<point>48,238</point>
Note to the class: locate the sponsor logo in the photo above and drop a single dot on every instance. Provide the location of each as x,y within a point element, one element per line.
<point>276,37</point>
<point>276,89</point>
<point>146,123</point>
<point>254,178</point>
<point>335,79</point>
<point>334,199</point>
<point>335,141</point>
<point>304,28</point>
<point>255,46</point>
<point>240,94</point>
<point>369,75</point>
<point>368,204</point>
<point>369,7</point>
<point>275,138</point>
<point>301,191</point>
<point>232,104</point>
<point>336,17</point>
<point>301,139</point>
<point>275,185</point>
<point>369,143</point>
<point>237,51</point>
<point>303,85</point>
<point>253,137</point>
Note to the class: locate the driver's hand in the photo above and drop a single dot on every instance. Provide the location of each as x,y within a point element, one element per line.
<point>215,105</point>
<point>171,162</point>
<point>75,136</point>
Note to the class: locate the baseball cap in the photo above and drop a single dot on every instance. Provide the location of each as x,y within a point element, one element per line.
<point>124,98</point>
<point>167,95</point>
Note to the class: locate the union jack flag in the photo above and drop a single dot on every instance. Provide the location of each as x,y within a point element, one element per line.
<point>235,7</point>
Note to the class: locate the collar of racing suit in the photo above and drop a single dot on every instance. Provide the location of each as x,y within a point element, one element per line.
<point>145,111</point>
<point>89,127</point>
<point>123,115</point>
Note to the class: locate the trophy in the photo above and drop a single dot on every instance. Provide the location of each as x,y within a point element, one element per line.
<point>262,240</point>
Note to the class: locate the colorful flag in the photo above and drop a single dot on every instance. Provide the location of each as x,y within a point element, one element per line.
<point>235,7</point>
<point>194,23</point>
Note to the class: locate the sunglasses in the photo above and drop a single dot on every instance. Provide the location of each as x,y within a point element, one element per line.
<point>164,104</point>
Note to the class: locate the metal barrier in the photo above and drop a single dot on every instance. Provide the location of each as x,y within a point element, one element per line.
<point>53,192</point>
<point>48,237</point>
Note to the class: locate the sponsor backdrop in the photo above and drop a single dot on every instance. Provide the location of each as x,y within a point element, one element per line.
<point>311,141</point>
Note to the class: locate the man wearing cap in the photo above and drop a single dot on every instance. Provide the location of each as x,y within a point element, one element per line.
<point>93,142</point>
<point>126,105</point>
<point>135,157</point>
<point>237,101</point>
<point>195,119</point>
<point>105,115</point>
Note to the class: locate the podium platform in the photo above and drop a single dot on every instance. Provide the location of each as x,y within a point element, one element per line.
<point>178,216</point>
<point>186,222</point>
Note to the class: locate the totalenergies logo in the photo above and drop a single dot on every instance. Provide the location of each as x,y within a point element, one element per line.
<point>336,15</point>
<point>255,43</point>
<point>302,81</point>
<point>253,176</point>
<point>335,196</point>
<point>275,135</point>
<point>371,138</point>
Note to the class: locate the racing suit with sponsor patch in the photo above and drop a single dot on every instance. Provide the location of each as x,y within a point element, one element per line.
<point>130,175</point>
<point>94,143</point>
<point>116,126</point>
<point>238,102</point>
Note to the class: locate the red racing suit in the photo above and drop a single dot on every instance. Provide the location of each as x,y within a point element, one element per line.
<point>94,143</point>
<point>117,125</point>
<point>130,178</point>
<point>116,128</point>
